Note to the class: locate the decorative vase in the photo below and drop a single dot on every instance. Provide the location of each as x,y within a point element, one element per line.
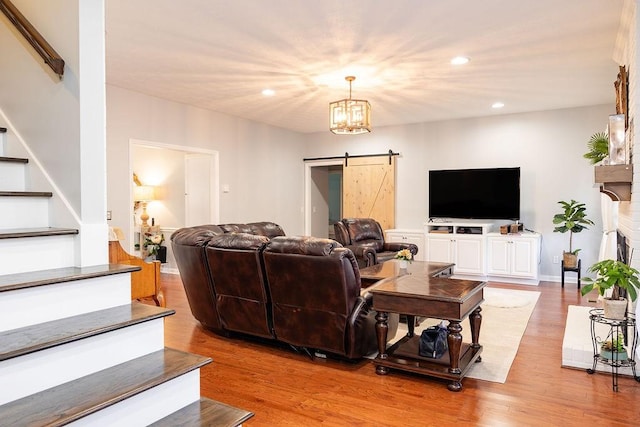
<point>404,264</point>
<point>620,356</point>
<point>615,309</point>
<point>617,142</point>
<point>570,260</point>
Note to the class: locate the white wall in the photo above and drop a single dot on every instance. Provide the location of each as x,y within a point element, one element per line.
<point>547,146</point>
<point>262,165</point>
<point>44,114</point>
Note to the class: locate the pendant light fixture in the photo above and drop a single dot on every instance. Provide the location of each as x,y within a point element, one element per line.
<point>350,116</point>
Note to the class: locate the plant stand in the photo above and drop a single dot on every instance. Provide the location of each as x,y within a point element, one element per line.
<point>576,269</point>
<point>617,328</point>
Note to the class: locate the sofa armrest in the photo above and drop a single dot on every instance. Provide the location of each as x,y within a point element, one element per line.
<point>362,332</point>
<point>395,247</point>
<point>366,253</point>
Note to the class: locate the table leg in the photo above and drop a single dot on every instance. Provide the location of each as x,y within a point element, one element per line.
<point>411,324</point>
<point>454,340</point>
<point>475,321</point>
<point>382,328</point>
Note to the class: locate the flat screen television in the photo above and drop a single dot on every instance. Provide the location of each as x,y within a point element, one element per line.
<point>492,193</point>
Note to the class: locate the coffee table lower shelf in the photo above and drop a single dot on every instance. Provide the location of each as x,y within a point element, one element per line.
<point>404,356</point>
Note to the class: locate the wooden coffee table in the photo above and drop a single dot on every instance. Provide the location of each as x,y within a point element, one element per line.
<point>373,274</point>
<point>433,297</point>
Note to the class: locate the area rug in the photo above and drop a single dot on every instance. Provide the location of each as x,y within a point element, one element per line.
<point>577,346</point>
<point>505,314</point>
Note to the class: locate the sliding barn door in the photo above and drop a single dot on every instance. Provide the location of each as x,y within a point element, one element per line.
<point>369,189</point>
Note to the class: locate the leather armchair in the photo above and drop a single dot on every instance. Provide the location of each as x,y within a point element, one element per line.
<point>316,297</point>
<point>365,238</point>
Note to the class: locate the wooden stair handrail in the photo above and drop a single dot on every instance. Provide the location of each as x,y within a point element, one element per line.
<point>34,38</point>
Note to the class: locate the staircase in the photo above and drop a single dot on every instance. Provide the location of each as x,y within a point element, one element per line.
<point>74,348</point>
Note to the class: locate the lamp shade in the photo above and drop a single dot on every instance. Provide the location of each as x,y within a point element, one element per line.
<point>144,193</point>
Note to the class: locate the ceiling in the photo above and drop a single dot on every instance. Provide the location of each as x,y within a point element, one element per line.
<point>220,54</point>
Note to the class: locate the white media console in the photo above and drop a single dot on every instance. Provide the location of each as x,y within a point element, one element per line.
<point>477,249</point>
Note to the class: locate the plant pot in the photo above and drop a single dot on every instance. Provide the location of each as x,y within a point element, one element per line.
<point>614,355</point>
<point>570,260</point>
<point>403,264</point>
<point>615,309</point>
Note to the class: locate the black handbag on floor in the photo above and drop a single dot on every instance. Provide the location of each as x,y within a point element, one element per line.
<point>433,341</point>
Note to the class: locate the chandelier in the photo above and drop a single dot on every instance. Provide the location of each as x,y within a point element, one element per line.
<point>350,116</point>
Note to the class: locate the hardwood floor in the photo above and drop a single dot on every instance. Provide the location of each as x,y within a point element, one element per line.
<point>284,388</point>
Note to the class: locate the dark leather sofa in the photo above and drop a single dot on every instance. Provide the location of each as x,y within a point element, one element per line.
<point>365,238</point>
<point>254,280</point>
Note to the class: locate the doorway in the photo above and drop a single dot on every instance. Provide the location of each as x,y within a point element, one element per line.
<point>323,197</point>
<point>186,187</point>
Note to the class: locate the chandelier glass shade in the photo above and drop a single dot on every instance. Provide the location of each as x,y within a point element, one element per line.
<point>350,116</point>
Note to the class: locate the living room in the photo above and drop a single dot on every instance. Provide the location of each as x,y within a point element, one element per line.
<point>262,165</point>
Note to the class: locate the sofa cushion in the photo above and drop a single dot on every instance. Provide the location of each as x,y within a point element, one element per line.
<point>195,236</point>
<point>266,228</point>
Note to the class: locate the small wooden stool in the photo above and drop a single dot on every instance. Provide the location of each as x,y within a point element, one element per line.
<point>576,269</point>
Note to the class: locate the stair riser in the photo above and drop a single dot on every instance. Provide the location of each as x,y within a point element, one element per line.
<point>62,300</point>
<point>36,253</point>
<point>51,367</point>
<point>12,176</point>
<point>19,212</point>
<point>150,406</point>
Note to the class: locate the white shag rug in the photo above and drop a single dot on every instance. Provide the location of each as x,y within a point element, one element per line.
<point>505,314</point>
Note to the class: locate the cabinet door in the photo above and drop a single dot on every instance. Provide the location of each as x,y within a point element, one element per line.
<point>524,258</point>
<point>440,249</point>
<point>499,256</point>
<point>415,238</point>
<point>469,256</point>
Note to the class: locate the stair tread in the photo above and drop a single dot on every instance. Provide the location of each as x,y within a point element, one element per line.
<point>13,233</point>
<point>71,401</point>
<point>26,193</point>
<point>10,282</point>
<point>205,412</point>
<point>29,339</point>
<point>13,159</point>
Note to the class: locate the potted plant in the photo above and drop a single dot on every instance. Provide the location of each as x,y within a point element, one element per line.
<point>405,257</point>
<point>573,219</point>
<point>598,148</point>
<point>613,349</point>
<point>617,276</point>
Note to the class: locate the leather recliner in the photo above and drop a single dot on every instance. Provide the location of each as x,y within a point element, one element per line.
<point>365,238</point>
<point>316,297</point>
<point>188,245</point>
<point>237,272</point>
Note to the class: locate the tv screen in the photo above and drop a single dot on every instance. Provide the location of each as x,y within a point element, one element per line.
<point>475,193</point>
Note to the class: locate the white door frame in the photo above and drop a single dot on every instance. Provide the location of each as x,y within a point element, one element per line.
<point>307,187</point>
<point>215,175</point>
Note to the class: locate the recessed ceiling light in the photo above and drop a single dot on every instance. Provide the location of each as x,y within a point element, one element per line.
<point>268,92</point>
<point>497,105</point>
<point>460,60</point>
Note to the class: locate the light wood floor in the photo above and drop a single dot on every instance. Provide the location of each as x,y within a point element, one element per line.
<point>284,388</point>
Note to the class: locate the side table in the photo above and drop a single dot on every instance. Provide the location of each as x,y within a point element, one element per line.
<point>576,269</point>
<point>616,328</point>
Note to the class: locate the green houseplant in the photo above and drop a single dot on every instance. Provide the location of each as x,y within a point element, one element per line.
<point>613,349</point>
<point>598,147</point>
<point>617,276</point>
<point>572,219</point>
